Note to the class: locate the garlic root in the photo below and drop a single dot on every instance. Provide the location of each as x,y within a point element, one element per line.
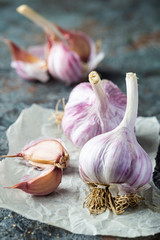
<point>58,115</point>
<point>99,199</point>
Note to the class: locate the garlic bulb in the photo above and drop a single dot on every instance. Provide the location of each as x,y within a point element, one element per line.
<point>78,53</point>
<point>29,64</point>
<point>92,109</point>
<point>48,154</point>
<point>115,159</point>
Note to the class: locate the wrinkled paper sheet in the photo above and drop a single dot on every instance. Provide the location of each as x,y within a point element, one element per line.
<point>64,208</point>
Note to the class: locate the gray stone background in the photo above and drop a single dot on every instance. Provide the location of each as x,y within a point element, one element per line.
<point>130,30</point>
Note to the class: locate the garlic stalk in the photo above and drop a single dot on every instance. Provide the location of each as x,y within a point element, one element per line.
<point>50,28</point>
<point>75,49</point>
<point>114,164</point>
<point>92,109</point>
<point>48,154</point>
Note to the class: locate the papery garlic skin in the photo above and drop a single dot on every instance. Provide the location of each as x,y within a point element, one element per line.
<point>115,158</point>
<point>93,109</point>
<point>44,184</point>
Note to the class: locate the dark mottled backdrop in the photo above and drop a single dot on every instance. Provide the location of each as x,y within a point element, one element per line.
<point>130,30</point>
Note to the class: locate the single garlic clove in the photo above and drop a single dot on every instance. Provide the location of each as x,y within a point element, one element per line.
<point>78,52</point>
<point>44,184</point>
<point>45,152</point>
<point>27,65</point>
<point>93,108</point>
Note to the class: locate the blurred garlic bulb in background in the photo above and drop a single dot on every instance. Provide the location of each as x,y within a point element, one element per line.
<point>71,55</point>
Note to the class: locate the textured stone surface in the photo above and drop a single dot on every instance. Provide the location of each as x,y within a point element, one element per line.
<point>131,34</point>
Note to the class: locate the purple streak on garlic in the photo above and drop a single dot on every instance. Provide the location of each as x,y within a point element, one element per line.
<point>71,55</point>
<point>92,109</point>
<point>27,65</point>
<point>115,158</point>
<point>67,66</point>
<point>64,64</point>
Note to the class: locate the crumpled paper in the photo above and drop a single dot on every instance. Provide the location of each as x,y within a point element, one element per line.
<point>64,208</point>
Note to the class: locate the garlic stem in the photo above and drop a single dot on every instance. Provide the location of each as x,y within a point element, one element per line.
<point>41,21</point>
<point>132,101</point>
<point>11,156</point>
<point>99,91</point>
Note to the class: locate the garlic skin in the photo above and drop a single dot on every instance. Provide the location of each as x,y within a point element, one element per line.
<point>71,55</point>
<point>44,184</point>
<point>27,65</point>
<point>115,158</point>
<point>92,109</point>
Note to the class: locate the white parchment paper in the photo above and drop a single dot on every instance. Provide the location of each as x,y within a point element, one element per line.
<point>64,208</point>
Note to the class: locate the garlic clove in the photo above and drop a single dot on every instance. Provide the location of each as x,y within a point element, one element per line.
<point>44,152</point>
<point>44,184</point>
<point>27,65</point>
<point>92,109</point>
<point>116,160</point>
<point>81,54</point>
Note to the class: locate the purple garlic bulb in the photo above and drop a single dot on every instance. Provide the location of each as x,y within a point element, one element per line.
<point>70,54</point>
<point>92,109</point>
<point>115,159</point>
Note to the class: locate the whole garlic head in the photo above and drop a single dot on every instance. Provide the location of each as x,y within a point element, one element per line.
<point>115,158</point>
<point>92,109</point>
